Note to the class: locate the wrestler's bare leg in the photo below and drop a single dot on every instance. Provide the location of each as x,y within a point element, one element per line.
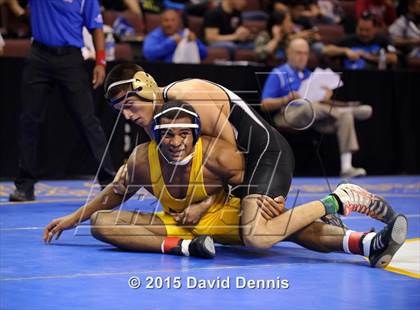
<point>145,232</point>
<point>133,231</point>
<point>320,237</point>
<point>260,233</point>
<point>316,236</point>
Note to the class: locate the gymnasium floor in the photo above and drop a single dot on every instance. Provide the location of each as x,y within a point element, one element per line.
<point>78,272</point>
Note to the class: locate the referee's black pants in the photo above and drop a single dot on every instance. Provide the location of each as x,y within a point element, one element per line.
<point>43,69</point>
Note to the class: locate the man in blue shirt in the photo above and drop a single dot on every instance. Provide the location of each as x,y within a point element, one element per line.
<point>281,87</point>
<point>55,58</point>
<point>161,43</point>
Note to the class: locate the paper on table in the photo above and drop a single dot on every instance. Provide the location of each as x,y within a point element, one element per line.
<point>313,87</point>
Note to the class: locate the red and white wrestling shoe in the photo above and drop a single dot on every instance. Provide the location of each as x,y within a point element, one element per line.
<point>353,198</point>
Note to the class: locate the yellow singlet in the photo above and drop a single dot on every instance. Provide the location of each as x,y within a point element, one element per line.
<point>196,191</point>
<point>222,218</point>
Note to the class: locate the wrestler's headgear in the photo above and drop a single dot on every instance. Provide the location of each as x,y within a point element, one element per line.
<point>143,85</point>
<point>195,125</point>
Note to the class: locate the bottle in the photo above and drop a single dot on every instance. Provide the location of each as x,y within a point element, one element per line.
<point>109,43</point>
<point>382,59</point>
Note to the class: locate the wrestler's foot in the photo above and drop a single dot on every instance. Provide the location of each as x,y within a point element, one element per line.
<point>387,242</point>
<point>202,246</point>
<point>354,198</point>
<point>353,173</point>
<point>19,195</point>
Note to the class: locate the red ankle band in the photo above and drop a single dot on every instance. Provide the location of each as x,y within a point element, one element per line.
<point>354,242</point>
<point>170,243</point>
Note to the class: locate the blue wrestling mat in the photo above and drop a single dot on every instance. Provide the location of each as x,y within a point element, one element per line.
<point>79,272</point>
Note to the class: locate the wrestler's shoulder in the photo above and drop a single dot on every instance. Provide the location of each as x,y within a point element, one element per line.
<point>140,153</point>
<point>192,84</point>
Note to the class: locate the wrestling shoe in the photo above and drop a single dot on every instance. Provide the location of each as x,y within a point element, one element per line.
<point>202,246</point>
<point>387,242</point>
<point>354,198</point>
<point>19,195</point>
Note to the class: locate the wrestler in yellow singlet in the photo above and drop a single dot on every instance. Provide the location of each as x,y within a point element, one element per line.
<point>221,220</point>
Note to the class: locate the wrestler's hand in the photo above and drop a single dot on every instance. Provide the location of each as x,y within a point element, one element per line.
<point>271,208</point>
<point>193,213</point>
<point>56,226</point>
<point>119,183</point>
<point>190,216</point>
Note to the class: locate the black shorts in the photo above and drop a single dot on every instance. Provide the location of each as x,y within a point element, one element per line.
<point>269,160</point>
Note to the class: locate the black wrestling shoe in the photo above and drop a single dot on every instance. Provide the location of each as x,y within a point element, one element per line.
<point>387,242</point>
<point>202,246</point>
<point>19,195</point>
<point>333,219</point>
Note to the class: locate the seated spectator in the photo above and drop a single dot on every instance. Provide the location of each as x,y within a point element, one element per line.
<point>363,49</point>
<point>161,43</point>
<point>382,11</point>
<point>281,87</point>
<point>272,42</point>
<point>405,31</point>
<point>223,26</point>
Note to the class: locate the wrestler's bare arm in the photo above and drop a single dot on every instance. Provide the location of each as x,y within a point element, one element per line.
<point>224,161</point>
<point>211,104</point>
<point>107,199</point>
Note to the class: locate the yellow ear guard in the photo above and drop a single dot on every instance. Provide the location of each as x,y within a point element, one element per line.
<point>143,85</point>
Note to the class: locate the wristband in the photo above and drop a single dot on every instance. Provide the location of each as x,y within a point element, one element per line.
<point>100,58</point>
